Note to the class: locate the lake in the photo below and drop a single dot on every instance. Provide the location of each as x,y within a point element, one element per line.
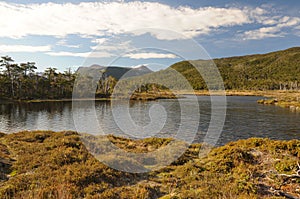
<point>244,118</point>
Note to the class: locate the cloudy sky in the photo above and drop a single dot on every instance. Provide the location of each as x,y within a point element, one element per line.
<point>72,33</point>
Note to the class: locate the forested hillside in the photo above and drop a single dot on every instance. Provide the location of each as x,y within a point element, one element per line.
<point>276,70</point>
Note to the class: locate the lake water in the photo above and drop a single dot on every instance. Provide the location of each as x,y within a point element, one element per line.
<point>245,118</point>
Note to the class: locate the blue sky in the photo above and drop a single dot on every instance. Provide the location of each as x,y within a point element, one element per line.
<point>73,33</point>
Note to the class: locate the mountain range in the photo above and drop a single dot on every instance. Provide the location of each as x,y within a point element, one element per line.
<point>116,71</point>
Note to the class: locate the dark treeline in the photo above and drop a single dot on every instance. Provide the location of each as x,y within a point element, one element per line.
<point>22,82</point>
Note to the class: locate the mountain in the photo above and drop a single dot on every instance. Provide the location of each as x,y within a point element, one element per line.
<point>275,70</point>
<point>115,71</point>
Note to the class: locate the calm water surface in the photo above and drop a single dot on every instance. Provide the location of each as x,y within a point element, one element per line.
<point>245,118</point>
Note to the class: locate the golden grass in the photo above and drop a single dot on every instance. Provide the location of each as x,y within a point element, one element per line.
<point>45,164</point>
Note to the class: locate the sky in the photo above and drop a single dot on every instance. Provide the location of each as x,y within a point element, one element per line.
<point>68,34</point>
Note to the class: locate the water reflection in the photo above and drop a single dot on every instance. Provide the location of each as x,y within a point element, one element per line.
<point>245,118</point>
<point>32,116</point>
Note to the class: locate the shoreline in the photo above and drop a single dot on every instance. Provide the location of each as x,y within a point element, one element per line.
<point>135,97</point>
<point>282,98</point>
<point>267,93</point>
<point>285,99</point>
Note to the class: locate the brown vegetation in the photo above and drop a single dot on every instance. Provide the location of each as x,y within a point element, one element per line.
<point>44,164</point>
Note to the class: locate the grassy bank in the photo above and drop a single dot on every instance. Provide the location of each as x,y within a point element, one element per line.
<point>167,94</point>
<point>136,96</point>
<point>285,99</point>
<point>44,164</point>
<point>264,93</point>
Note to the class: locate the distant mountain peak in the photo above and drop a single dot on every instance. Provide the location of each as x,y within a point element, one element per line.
<point>118,71</point>
<point>141,68</point>
<point>96,66</point>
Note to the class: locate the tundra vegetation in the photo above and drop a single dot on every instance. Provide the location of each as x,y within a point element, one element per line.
<point>45,164</point>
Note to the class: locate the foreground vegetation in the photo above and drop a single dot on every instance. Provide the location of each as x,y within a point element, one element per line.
<point>44,164</point>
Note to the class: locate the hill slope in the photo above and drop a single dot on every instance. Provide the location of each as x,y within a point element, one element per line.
<point>276,70</point>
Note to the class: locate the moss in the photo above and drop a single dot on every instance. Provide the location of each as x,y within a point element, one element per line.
<point>267,101</point>
<point>13,173</point>
<point>45,164</point>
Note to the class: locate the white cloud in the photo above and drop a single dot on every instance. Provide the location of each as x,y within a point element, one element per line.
<point>150,55</point>
<point>102,19</point>
<point>84,54</point>
<point>262,33</point>
<point>110,49</point>
<point>99,40</point>
<point>64,43</point>
<point>23,48</point>
<point>114,47</point>
<point>272,31</point>
<point>98,21</point>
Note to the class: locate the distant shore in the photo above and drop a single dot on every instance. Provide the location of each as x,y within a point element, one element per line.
<point>286,99</point>
<point>266,93</point>
<point>146,96</point>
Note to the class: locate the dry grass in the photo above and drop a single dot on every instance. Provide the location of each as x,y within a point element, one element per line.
<point>44,164</point>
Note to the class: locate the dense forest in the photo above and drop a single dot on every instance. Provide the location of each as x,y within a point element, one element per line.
<point>20,81</point>
<point>273,71</point>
